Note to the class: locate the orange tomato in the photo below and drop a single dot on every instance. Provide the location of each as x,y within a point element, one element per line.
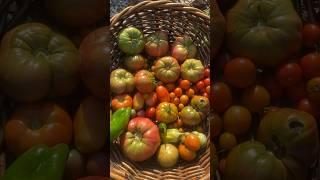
<point>121,101</point>
<point>237,120</point>
<point>185,84</point>
<point>180,106</point>
<point>185,153</point>
<point>192,142</point>
<point>170,87</point>
<point>176,101</point>
<point>172,95</point>
<point>177,91</point>
<point>162,94</point>
<point>184,99</point>
<point>190,93</point>
<point>200,85</point>
<point>207,72</point>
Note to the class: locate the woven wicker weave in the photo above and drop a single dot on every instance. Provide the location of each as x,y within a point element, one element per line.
<point>177,19</point>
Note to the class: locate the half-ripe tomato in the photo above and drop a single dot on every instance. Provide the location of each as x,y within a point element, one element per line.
<point>33,124</point>
<point>192,142</point>
<point>144,81</point>
<point>183,48</point>
<point>172,95</point>
<point>178,92</point>
<point>208,90</point>
<point>310,35</point>
<point>310,65</point>
<point>121,101</point>
<point>240,72</point>
<point>190,93</point>
<point>166,112</point>
<point>157,44</point>
<point>184,84</point>
<point>162,94</point>
<point>313,89</point>
<point>185,153</point>
<point>222,97</point>
<point>307,106</point>
<point>289,74</point>
<point>150,112</point>
<point>297,92</point>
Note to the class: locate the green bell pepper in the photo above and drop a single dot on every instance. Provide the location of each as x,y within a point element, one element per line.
<point>119,121</point>
<point>39,163</point>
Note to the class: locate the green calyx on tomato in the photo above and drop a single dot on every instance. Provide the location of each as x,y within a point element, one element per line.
<point>121,81</point>
<point>167,112</point>
<point>167,69</point>
<point>192,70</point>
<point>37,62</point>
<point>131,41</point>
<point>157,44</point>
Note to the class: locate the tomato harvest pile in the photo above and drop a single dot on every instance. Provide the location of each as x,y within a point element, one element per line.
<point>159,98</point>
<point>266,97</point>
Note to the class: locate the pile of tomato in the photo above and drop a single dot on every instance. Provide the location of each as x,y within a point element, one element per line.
<point>167,90</point>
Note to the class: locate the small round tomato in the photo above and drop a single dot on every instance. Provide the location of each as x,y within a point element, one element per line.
<point>190,93</point>
<point>310,35</point>
<point>289,74</point>
<point>208,89</point>
<point>162,94</point>
<point>186,154</point>
<point>310,65</point>
<point>179,123</point>
<point>150,112</point>
<point>205,94</point>
<point>237,120</point>
<point>177,91</point>
<point>184,99</point>
<point>192,142</point>
<point>240,72</point>
<point>185,84</point>
<point>170,87</point>
<point>141,113</point>
<point>256,98</point>
<point>180,106</point>
<point>172,95</point>
<point>313,89</point>
<point>222,97</point>
<point>206,82</point>
<point>176,101</point>
<point>207,72</point>
<point>307,106</point>
<point>296,92</point>
<point>200,85</point>
<point>121,101</point>
<point>227,141</point>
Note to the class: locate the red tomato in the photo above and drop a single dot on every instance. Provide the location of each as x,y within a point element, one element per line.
<point>184,84</point>
<point>150,99</point>
<point>310,65</point>
<point>177,91</point>
<point>150,112</point>
<point>273,87</point>
<point>296,92</point>
<point>172,95</point>
<point>306,105</point>
<point>190,92</point>
<point>206,82</point>
<point>289,74</point>
<point>208,89</point>
<point>163,94</point>
<point>141,113</point>
<point>200,85</point>
<point>176,101</point>
<point>310,35</point>
<point>207,72</point>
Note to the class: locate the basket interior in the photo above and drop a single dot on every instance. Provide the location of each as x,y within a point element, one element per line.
<point>177,21</point>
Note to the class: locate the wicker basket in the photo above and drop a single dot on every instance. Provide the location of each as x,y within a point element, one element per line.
<point>177,19</point>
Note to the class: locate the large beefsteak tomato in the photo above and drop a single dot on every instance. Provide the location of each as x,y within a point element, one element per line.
<point>121,81</point>
<point>36,62</point>
<point>167,69</point>
<point>192,70</point>
<point>145,81</point>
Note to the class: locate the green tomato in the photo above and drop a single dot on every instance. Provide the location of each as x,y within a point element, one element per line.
<point>190,116</point>
<point>192,70</point>
<point>131,41</point>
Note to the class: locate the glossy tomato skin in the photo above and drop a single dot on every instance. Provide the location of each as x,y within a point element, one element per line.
<point>33,124</point>
<point>157,44</point>
<point>162,94</point>
<point>76,13</point>
<point>94,51</point>
<point>167,69</point>
<point>222,97</point>
<point>310,35</point>
<point>240,72</point>
<point>28,74</point>
<point>310,65</point>
<point>289,74</point>
<point>144,81</point>
<point>141,140</point>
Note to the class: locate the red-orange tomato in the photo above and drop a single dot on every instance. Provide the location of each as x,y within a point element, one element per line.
<point>184,99</point>
<point>306,105</point>
<point>310,35</point>
<point>313,89</point>
<point>180,106</point>
<point>185,84</point>
<point>200,85</point>
<point>192,142</point>
<point>185,153</point>
<point>150,99</point>
<point>310,65</point>
<point>177,91</point>
<point>207,72</point>
<point>205,95</point>
<point>190,93</point>
<point>150,112</point>
<point>163,94</point>
<point>176,101</point>
<point>289,74</point>
<point>121,101</point>
<point>206,82</point>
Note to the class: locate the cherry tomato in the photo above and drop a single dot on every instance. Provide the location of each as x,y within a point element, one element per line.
<point>256,98</point>
<point>177,91</point>
<point>141,113</point>
<point>184,84</point>
<point>206,82</point>
<point>184,99</point>
<point>222,97</point>
<point>190,93</point>
<point>237,120</point>
<point>289,74</point>
<point>205,95</point>
<point>192,142</point>
<point>180,106</point>
<point>200,85</point>
<point>306,105</point>
<point>227,141</point>
<point>185,153</point>
<point>170,87</point>
<point>310,65</point>
<point>172,95</point>
<point>313,89</point>
<point>162,94</point>
<point>179,123</point>
<point>310,35</point>
<point>208,89</point>
<point>296,92</point>
<point>150,112</point>
<point>207,72</point>
<point>240,72</point>
<point>176,101</point>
